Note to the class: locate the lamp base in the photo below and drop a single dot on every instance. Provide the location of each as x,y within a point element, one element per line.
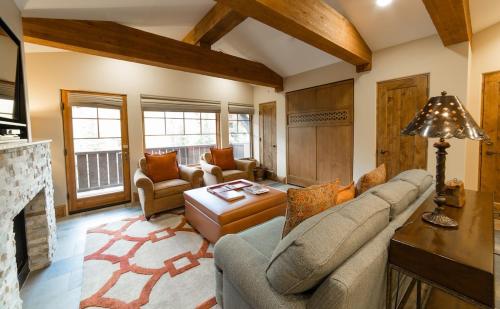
<point>439,219</point>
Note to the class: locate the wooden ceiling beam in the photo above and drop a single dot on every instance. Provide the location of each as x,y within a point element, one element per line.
<point>109,39</point>
<point>311,21</point>
<point>219,21</point>
<point>451,19</point>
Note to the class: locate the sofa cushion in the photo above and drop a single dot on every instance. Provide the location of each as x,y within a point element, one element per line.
<point>233,175</point>
<point>264,237</point>
<point>398,193</point>
<point>223,158</point>
<point>317,246</point>
<point>371,179</point>
<point>170,187</point>
<point>160,167</point>
<point>345,193</point>
<point>420,178</point>
<point>304,203</point>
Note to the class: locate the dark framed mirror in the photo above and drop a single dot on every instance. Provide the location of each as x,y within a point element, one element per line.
<point>12,99</point>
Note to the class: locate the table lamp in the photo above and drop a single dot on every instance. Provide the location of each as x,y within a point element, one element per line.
<point>443,117</point>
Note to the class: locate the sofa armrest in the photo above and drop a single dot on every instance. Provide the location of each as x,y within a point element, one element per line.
<point>246,165</point>
<point>245,267</point>
<point>192,175</point>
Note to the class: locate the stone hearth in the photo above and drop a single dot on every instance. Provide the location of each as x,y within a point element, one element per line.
<point>25,183</point>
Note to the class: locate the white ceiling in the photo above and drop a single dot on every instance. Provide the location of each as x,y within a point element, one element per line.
<point>403,21</point>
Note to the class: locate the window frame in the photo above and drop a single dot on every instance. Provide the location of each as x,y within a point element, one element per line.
<point>250,120</point>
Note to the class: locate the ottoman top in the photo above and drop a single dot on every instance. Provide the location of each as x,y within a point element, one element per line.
<point>224,212</point>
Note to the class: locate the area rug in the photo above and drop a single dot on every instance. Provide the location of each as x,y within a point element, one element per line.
<point>161,263</point>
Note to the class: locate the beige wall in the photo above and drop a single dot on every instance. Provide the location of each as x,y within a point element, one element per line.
<point>47,73</point>
<point>485,59</point>
<point>448,68</point>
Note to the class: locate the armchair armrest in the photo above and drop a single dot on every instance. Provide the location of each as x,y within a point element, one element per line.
<point>142,181</point>
<point>191,174</point>
<point>247,166</point>
<point>213,173</point>
<point>145,188</point>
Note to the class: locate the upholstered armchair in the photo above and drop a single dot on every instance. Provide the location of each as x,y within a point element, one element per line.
<point>164,195</point>
<point>213,174</point>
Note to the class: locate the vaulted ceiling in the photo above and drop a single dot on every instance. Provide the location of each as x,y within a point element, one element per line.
<point>403,21</point>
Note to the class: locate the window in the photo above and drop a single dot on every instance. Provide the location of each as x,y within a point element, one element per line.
<point>190,133</point>
<point>96,129</point>
<point>240,134</point>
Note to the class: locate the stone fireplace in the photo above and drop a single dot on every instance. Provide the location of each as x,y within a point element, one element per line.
<point>25,184</point>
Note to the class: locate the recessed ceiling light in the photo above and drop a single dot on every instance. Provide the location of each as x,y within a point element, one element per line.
<point>383,3</point>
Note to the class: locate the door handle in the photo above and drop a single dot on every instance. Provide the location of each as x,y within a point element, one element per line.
<point>382,151</point>
<point>490,153</point>
<point>274,146</point>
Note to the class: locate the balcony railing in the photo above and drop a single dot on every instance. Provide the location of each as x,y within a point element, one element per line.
<point>96,170</point>
<point>188,155</point>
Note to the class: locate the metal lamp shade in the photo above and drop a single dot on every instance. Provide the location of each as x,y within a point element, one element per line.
<point>444,117</point>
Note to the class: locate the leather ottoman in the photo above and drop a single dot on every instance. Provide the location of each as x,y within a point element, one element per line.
<point>214,217</point>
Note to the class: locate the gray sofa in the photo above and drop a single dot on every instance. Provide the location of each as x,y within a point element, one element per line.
<point>336,259</point>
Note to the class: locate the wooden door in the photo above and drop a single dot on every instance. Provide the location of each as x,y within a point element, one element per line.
<point>397,103</point>
<point>490,150</point>
<point>267,138</point>
<point>96,149</point>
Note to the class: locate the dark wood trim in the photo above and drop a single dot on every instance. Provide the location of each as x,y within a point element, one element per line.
<point>311,21</point>
<point>109,39</point>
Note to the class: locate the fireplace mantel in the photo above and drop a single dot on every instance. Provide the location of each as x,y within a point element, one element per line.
<point>25,183</point>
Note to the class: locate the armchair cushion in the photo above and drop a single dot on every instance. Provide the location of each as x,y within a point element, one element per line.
<point>162,167</point>
<point>223,158</point>
<point>230,175</point>
<point>170,187</point>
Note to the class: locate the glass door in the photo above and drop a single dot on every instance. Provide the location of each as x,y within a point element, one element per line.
<point>96,149</point>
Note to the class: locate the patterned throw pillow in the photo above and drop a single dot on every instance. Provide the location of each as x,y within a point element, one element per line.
<point>307,202</point>
<point>374,178</point>
<point>223,158</point>
<point>345,193</point>
<point>162,167</point>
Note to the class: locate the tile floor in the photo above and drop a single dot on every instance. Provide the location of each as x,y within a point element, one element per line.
<point>59,286</point>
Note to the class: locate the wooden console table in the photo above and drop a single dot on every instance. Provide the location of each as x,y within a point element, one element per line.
<point>457,261</point>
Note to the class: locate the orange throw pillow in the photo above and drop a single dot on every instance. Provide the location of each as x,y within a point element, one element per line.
<point>307,202</point>
<point>374,178</point>
<point>345,193</point>
<point>162,167</point>
<point>223,158</point>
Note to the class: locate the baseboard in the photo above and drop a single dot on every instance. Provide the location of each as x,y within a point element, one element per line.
<point>281,179</point>
<point>61,211</point>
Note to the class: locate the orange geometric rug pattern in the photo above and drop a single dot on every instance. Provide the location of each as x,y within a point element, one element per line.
<point>170,266</point>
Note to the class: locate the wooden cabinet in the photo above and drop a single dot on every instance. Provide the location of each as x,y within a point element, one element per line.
<point>320,134</point>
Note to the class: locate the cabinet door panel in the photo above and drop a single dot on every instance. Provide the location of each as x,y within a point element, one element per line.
<point>334,153</point>
<point>302,155</point>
